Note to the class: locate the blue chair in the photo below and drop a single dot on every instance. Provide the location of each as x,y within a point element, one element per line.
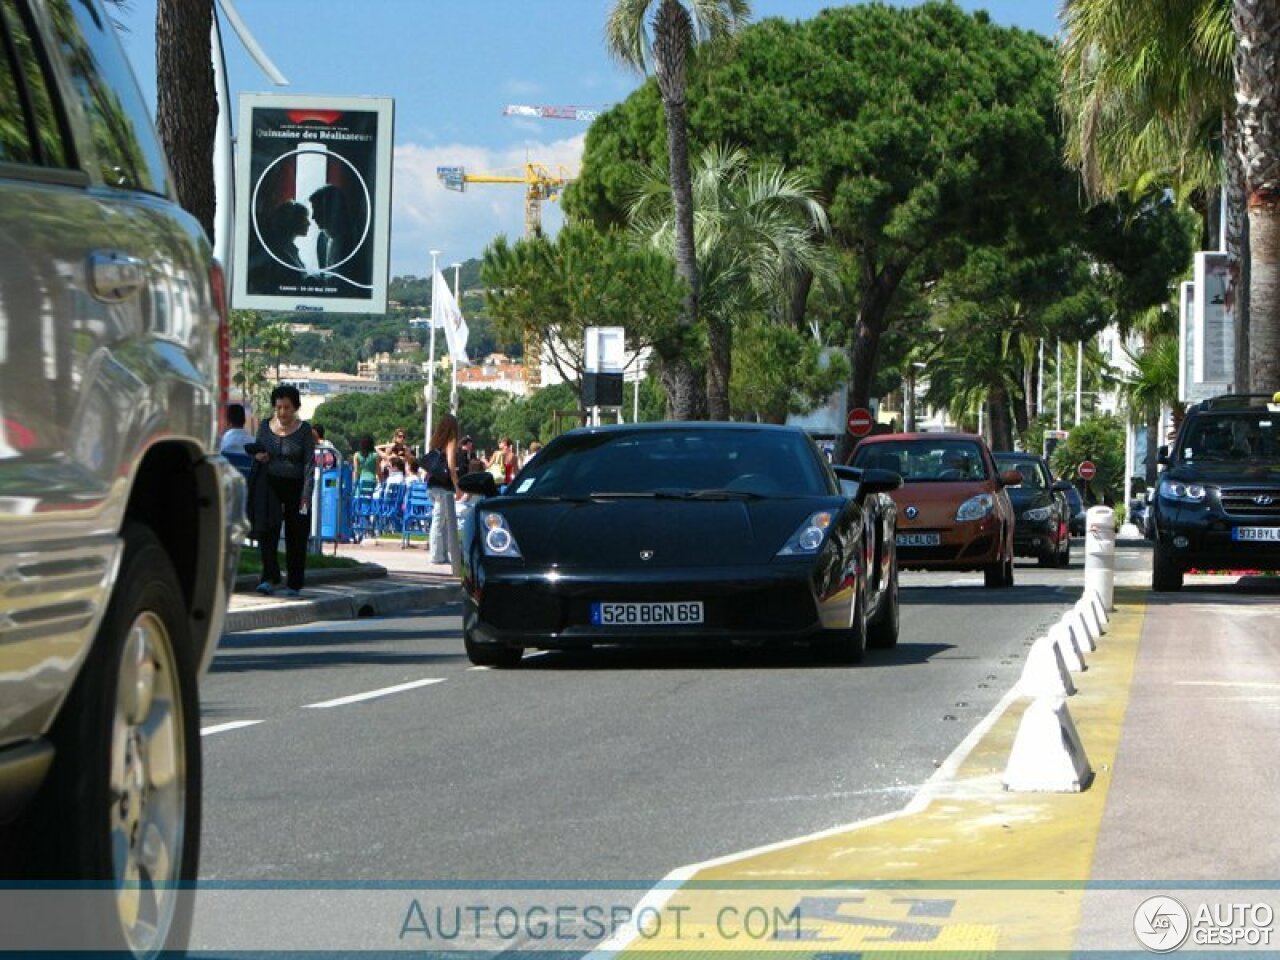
<point>362,509</point>
<point>241,461</point>
<point>390,514</point>
<point>417,510</point>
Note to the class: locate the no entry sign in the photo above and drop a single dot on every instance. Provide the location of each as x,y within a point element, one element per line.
<point>1087,470</point>
<point>860,421</point>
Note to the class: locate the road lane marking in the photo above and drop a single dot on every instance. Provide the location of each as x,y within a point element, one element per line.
<point>1249,684</point>
<point>373,694</point>
<point>224,727</point>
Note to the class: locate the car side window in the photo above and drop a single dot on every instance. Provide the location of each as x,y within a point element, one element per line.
<point>29,82</point>
<point>127,151</point>
<point>15,132</point>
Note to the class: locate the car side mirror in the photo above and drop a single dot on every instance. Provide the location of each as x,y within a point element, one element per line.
<point>879,481</point>
<point>1162,456</point>
<point>480,483</point>
<point>1011,478</point>
<point>1061,486</point>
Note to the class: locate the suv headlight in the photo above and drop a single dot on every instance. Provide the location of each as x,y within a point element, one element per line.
<point>498,539</point>
<point>975,508</point>
<point>1038,514</point>
<point>808,540</point>
<point>1183,492</point>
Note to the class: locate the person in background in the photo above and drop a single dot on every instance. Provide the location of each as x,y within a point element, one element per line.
<point>466,450</point>
<point>395,471</point>
<point>236,436</point>
<point>532,450</point>
<point>441,463</point>
<point>503,463</point>
<point>366,463</point>
<point>280,491</point>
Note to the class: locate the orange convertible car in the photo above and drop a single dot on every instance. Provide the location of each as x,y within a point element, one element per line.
<point>953,512</point>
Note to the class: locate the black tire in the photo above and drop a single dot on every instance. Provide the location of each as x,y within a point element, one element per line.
<point>1166,575</point>
<point>77,810</point>
<point>882,631</point>
<point>1008,571</point>
<point>846,646</point>
<point>1064,558</point>
<point>492,655</point>
<point>993,576</point>
<point>1049,559</point>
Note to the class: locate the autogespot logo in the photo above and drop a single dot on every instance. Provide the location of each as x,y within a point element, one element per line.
<point>1161,924</point>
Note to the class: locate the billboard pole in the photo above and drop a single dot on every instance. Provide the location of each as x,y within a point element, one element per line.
<point>431,358</point>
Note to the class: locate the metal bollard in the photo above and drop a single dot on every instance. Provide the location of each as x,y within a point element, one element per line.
<point>1100,554</point>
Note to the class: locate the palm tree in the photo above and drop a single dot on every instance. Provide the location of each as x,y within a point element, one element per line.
<point>1257,93</point>
<point>662,34</point>
<point>1151,387</point>
<point>1149,97</point>
<point>757,231</point>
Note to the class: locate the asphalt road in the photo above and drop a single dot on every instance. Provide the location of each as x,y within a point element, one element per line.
<point>601,766</point>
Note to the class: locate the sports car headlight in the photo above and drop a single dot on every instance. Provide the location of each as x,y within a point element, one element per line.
<point>1037,515</point>
<point>806,541</point>
<point>498,539</point>
<point>1185,492</point>
<point>975,508</point>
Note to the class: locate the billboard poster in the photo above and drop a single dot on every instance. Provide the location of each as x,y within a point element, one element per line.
<point>1213,350</point>
<point>313,203</point>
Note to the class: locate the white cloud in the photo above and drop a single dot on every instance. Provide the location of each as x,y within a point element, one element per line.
<point>426,216</point>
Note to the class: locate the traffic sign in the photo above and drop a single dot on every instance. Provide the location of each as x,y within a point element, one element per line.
<point>860,421</point>
<point>1087,470</point>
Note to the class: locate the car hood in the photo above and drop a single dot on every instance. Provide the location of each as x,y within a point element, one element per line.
<point>1023,499</point>
<point>1228,473</point>
<point>935,504</point>
<point>673,533</point>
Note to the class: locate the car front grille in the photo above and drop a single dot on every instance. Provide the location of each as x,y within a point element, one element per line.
<point>1244,502</point>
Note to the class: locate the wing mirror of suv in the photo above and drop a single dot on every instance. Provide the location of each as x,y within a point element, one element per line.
<point>1011,478</point>
<point>870,480</point>
<point>1061,486</point>
<point>1162,456</point>
<point>481,482</point>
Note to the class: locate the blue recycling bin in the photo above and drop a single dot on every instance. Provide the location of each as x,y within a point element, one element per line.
<point>329,485</point>
<point>346,484</point>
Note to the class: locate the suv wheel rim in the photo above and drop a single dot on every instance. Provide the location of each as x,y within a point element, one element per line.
<point>147,786</point>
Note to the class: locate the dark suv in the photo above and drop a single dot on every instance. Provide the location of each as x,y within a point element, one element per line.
<point>1217,505</point>
<point>119,529</point>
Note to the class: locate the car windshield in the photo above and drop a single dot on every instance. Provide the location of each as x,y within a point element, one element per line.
<point>925,461</point>
<point>1034,475</point>
<point>699,461</point>
<point>1245,435</point>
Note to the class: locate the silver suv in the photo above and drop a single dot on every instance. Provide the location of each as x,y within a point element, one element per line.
<point>119,531</point>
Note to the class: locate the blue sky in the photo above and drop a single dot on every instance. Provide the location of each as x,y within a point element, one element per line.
<point>451,65</point>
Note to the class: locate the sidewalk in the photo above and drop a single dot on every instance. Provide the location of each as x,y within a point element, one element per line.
<point>401,579</point>
<point>1179,714</point>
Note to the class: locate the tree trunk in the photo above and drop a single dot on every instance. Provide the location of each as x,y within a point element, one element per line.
<point>998,422</point>
<point>1237,247</point>
<point>1021,415</point>
<point>798,301</point>
<point>186,103</point>
<point>877,293</point>
<point>719,367</point>
<point>672,39</point>
<point>1257,28</point>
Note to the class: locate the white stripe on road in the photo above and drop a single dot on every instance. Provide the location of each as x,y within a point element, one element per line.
<point>374,694</point>
<point>224,727</point>
<point>1248,684</point>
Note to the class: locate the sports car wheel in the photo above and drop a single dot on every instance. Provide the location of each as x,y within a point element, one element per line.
<point>882,632</point>
<point>122,806</point>
<point>492,655</point>
<point>846,646</point>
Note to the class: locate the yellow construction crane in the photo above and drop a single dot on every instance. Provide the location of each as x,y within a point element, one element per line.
<point>541,182</point>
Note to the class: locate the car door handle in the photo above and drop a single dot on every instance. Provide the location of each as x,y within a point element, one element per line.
<point>114,276</point>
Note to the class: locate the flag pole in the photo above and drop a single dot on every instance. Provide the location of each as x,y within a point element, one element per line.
<point>431,359</point>
<point>453,361</point>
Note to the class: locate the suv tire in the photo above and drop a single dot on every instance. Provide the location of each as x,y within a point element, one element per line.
<point>123,800</point>
<point>492,655</point>
<point>1166,575</point>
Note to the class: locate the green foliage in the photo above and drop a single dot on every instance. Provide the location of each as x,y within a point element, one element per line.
<point>778,371</point>
<point>1101,440</point>
<point>347,417</point>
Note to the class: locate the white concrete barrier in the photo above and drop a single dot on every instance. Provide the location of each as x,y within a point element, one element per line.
<point>1085,611</point>
<point>1045,673</point>
<point>1072,653</point>
<point>1047,755</point>
<point>1096,602</point>
<point>1100,554</point>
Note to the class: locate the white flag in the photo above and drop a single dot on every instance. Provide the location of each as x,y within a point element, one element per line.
<point>446,315</point>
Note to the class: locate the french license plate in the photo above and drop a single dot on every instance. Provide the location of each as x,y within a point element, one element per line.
<point>646,614</point>
<point>1264,534</point>
<point>919,539</point>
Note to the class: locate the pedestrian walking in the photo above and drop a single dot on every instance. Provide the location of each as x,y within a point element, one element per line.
<point>280,491</point>
<point>441,463</point>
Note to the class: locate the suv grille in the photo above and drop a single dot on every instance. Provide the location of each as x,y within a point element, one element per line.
<point>1244,502</point>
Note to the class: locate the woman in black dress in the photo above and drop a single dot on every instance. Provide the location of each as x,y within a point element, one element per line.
<point>280,491</point>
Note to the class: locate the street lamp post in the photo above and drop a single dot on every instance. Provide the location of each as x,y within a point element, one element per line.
<point>1079,379</point>
<point>453,361</point>
<point>1058,389</point>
